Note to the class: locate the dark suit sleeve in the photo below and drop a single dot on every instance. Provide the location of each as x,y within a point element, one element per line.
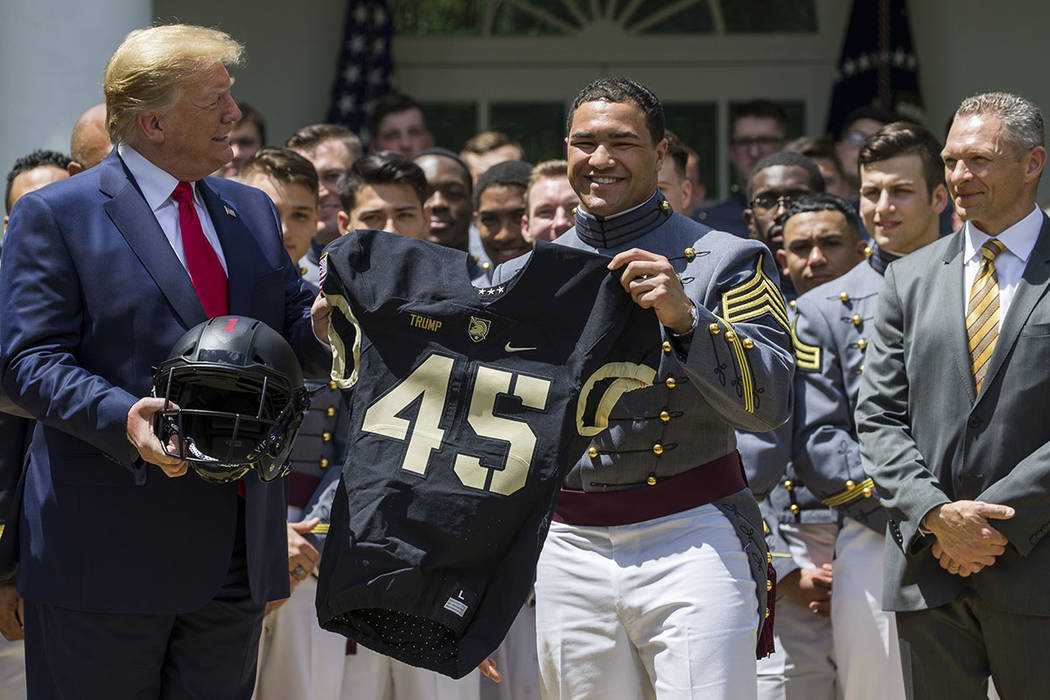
<point>40,332</point>
<point>1027,490</point>
<point>890,456</point>
<point>14,438</point>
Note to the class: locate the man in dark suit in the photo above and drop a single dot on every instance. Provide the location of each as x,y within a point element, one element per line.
<point>141,580</point>
<point>952,419</point>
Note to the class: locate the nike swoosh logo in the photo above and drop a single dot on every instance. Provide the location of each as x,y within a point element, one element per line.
<point>509,348</point>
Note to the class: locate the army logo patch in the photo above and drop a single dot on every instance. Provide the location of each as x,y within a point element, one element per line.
<point>478,329</point>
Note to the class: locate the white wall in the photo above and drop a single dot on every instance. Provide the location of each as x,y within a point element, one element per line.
<point>52,56</point>
<point>971,46</point>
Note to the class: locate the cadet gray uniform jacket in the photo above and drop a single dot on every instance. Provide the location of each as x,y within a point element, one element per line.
<point>734,372</point>
<point>832,330</point>
<point>926,438</point>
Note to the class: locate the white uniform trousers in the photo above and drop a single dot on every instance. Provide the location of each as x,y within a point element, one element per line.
<point>516,660</point>
<point>298,659</point>
<point>661,609</point>
<point>866,647</point>
<point>803,665</point>
<point>12,670</point>
<point>369,675</point>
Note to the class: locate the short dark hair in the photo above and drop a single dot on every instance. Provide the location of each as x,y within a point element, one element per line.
<point>445,153</point>
<point>385,106</point>
<point>621,90</point>
<point>876,114</point>
<point>37,159</point>
<point>250,115</point>
<point>382,168</point>
<point>820,201</point>
<point>509,173</point>
<point>759,109</point>
<point>678,153</point>
<point>487,141</point>
<point>283,165</point>
<point>905,139</point>
<point>815,147</point>
<point>309,137</point>
<point>790,159</point>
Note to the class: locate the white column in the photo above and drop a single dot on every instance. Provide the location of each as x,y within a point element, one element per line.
<point>52,56</point>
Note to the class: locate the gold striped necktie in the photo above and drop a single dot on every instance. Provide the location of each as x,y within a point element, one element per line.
<point>982,313</point>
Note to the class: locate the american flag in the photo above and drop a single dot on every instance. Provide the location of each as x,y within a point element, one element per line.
<point>365,65</point>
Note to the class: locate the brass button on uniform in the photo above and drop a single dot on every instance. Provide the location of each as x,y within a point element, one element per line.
<point>592,451</point>
<point>330,412</point>
<point>302,271</point>
<point>844,296</point>
<point>856,319</point>
<point>665,416</point>
<point>791,304</point>
<point>714,328</point>
<point>665,205</point>
<point>794,509</point>
<point>658,449</point>
<point>689,253</point>
<point>867,492</point>
<point>486,265</point>
<point>868,251</point>
<point>333,385</point>
<point>769,585</point>
<point>767,612</point>
<point>666,346</point>
<point>671,383</point>
<point>747,343</point>
<point>769,558</point>
<point>730,336</point>
<point>651,480</point>
<point>324,463</point>
<point>850,485</point>
<point>327,437</point>
<point>862,343</point>
<point>788,485</point>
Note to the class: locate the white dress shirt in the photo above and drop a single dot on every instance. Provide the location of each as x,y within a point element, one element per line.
<point>156,186</point>
<point>1019,240</point>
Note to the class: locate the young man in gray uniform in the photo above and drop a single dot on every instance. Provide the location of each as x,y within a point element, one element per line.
<point>653,577</point>
<point>902,194</point>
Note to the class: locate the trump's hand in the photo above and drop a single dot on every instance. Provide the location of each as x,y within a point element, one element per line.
<point>11,613</point>
<point>321,317</point>
<point>653,284</point>
<point>966,542</point>
<point>141,436</point>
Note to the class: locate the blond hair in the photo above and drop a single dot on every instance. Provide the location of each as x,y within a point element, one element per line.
<point>151,66</point>
<point>546,170</point>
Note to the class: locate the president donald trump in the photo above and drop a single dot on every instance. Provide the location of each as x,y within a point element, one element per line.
<point>139,579</point>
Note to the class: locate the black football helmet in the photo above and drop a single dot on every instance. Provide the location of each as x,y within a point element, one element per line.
<point>240,396</point>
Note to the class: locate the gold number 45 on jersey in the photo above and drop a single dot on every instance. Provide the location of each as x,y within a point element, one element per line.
<point>431,381</point>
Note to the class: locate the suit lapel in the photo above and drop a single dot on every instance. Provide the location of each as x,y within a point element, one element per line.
<point>1030,289</point>
<point>132,216</point>
<point>244,259</point>
<point>946,298</point>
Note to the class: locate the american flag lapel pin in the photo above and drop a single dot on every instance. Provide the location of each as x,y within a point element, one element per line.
<point>230,211</point>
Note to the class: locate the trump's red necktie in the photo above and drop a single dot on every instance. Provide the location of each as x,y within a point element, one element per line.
<point>209,279</point>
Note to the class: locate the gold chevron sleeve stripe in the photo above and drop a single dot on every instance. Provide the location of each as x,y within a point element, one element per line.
<point>2,526</point>
<point>755,297</point>
<point>849,494</point>
<point>744,366</point>
<point>319,529</point>
<point>806,356</point>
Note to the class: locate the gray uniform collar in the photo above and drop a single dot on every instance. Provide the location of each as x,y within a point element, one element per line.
<point>621,228</point>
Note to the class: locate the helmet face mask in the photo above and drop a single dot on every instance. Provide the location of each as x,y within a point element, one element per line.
<point>234,398</point>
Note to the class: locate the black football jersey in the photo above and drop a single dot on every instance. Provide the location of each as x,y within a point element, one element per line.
<point>469,406</point>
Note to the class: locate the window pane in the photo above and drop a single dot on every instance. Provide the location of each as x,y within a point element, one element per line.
<point>696,125</point>
<point>513,21</point>
<point>695,19</point>
<point>784,16</point>
<point>538,126</point>
<point>437,17</point>
<point>451,123</point>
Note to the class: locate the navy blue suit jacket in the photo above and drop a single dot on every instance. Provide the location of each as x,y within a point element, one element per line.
<point>94,299</point>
